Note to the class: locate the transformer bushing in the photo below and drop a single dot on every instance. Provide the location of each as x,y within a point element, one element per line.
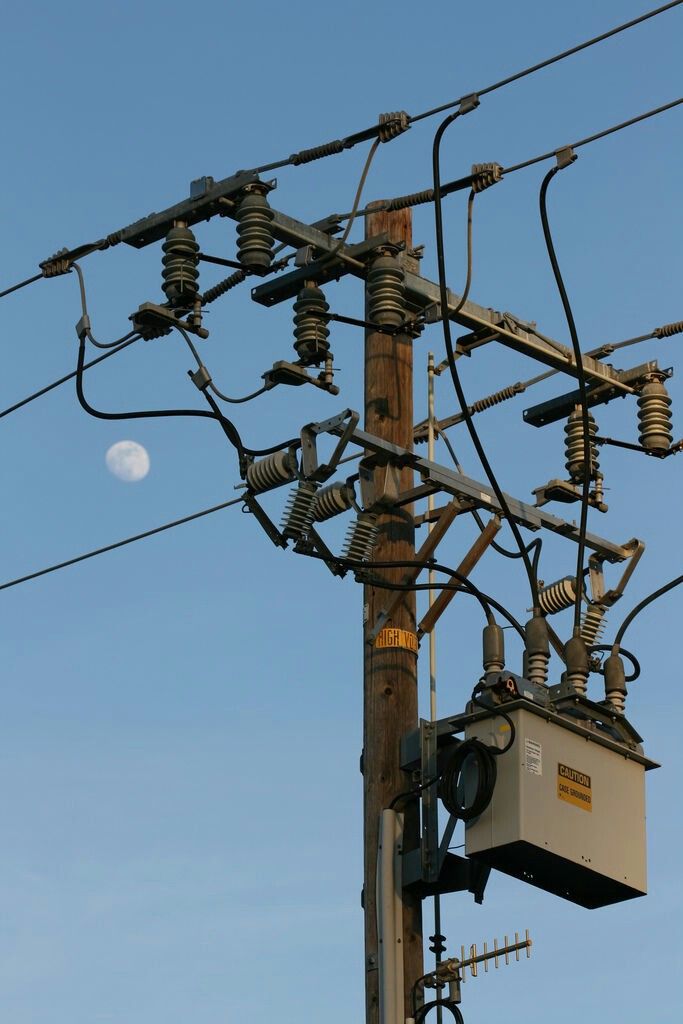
<point>254,232</point>
<point>311,332</point>
<point>654,415</point>
<point>180,274</point>
<point>386,299</point>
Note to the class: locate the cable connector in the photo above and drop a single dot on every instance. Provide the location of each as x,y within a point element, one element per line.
<point>83,327</point>
<point>468,104</point>
<point>565,157</point>
<point>58,264</point>
<point>201,377</point>
<point>393,124</point>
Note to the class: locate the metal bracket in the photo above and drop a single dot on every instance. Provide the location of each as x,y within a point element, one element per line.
<point>264,520</point>
<point>344,425</point>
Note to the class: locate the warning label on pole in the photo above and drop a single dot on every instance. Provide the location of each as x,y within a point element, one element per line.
<point>574,787</point>
<point>401,638</point>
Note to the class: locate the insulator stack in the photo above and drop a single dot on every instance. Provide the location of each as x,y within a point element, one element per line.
<point>615,682</point>
<point>298,517</point>
<point>276,469</point>
<point>386,300</point>
<point>654,415</point>
<point>504,395</point>
<point>537,668</point>
<point>574,446</point>
<point>493,648</point>
<point>332,500</point>
<point>254,231</point>
<point>180,274</point>
<point>537,650</point>
<point>311,332</point>
<point>558,596</point>
<point>576,657</point>
<point>361,538</point>
<point>593,624</point>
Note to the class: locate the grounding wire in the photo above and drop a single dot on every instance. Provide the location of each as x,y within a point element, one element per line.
<point>583,392</point>
<point>118,544</point>
<point>455,376</point>
<point>67,377</point>
<point>639,608</point>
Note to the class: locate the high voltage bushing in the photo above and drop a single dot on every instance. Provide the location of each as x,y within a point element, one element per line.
<point>254,232</point>
<point>574,446</point>
<point>276,469</point>
<point>298,517</point>
<point>311,332</point>
<point>654,414</point>
<point>558,596</point>
<point>537,650</point>
<point>332,500</point>
<point>615,682</point>
<point>386,299</point>
<point>180,274</point>
<point>361,538</point>
<point>493,648</point>
<point>576,659</point>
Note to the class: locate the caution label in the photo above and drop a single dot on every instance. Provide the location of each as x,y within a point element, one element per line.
<point>574,787</point>
<point>402,638</point>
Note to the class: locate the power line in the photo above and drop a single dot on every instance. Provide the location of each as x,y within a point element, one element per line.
<point>119,544</point>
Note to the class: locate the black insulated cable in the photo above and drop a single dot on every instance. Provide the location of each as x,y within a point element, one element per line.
<point>581,379</point>
<point>640,607</point>
<point>445,320</point>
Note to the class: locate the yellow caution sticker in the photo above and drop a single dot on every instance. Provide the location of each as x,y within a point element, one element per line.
<point>401,638</point>
<point>574,787</point>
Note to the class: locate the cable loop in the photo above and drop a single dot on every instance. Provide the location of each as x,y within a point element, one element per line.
<point>392,125</point>
<point>485,175</point>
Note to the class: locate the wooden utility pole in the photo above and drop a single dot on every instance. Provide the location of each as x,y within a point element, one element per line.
<point>390,673</point>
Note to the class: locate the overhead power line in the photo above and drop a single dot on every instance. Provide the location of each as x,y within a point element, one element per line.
<point>118,544</point>
<point>388,127</point>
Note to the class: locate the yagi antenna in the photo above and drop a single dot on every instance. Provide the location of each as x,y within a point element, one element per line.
<point>453,972</point>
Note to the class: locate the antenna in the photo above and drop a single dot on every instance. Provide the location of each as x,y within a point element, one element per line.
<point>453,971</point>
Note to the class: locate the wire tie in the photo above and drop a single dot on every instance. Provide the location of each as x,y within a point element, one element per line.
<point>468,103</point>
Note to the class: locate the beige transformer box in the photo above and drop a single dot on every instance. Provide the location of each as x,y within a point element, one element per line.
<point>568,808</point>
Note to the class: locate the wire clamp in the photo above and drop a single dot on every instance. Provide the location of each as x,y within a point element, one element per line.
<point>58,264</point>
<point>201,377</point>
<point>485,175</point>
<point>83,327</point>
<point>468,104</point>
<point>565,157</point>
<point>393,124</point>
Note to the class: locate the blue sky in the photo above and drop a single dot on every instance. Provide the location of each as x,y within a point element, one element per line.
<point>181,719</point>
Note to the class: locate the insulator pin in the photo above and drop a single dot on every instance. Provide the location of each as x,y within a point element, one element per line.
<point>574,446</point>
<point>180,274</point>
<point>332,500</point>
<point>558,596</point>
<point>254,232</point>
<point>361,538</point>
<point>276,469</point>
<point>298,517</point>
<point>386,300</point>
<point>311,332</point>
<point>654,415</point>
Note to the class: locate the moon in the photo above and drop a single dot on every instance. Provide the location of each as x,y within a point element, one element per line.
<point>128,461</point>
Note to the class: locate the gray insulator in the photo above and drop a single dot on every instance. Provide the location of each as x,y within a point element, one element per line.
<point>537,650</point>
<point>386,300</point>
<point>574,447</point>
<point>310,326</point>
<point>654,416</point>
<point>576,657</point>
<point>332,500</point>
<point>494,648</point>
<point>615,682</point>
<point>593,624</point>
<point>254,231</point>
<point>558,596</point>
<point>272,471</point>
<point>298,517</point>
<point>180,274</point>
<point>361,538</point>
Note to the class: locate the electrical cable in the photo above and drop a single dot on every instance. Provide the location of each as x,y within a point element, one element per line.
<point>583,391</point>
<point>447,1004</point>
<point>67,377</point>
<point>552,60</point>
<point>21,284</point>
<point>210,383</point>
<point>594,138</point>
<point>119,544</point>
<point>640,607</point>
<point>86,318</point>
<point>626,654</point>
<point>443,292</point>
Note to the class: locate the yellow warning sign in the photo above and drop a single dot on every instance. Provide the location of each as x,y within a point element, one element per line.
<point>574,787</point>
<point>401,638</point>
